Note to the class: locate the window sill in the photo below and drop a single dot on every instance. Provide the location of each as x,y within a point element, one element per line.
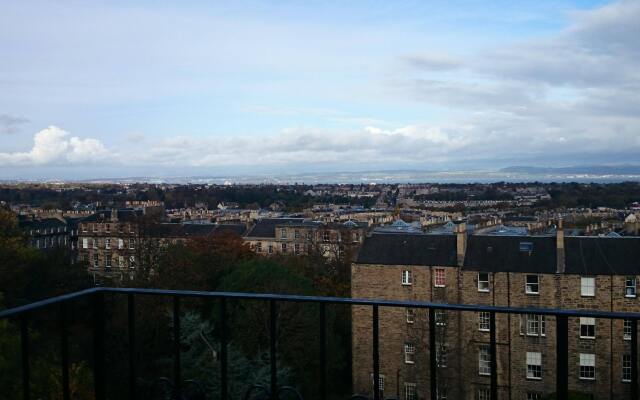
<point>484,290</point>
<point>484,373</point>
<point>410,362</point>
<point>533,293</point>
<point>484,330</point>
<point>533,378</point>
<point>439,286</point>
<point>588,337</point>
<point>587,379</point>
<point>626,381</point>
<point>406,284</point>
<point>629,296</point>
<point>588,295</point>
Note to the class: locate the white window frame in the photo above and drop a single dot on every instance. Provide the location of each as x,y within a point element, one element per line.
<point>484,321</point>
<point>484,394</point>
<point>534,365</point>
<point>483,285</point>
<point>85,243</point>
<point>107,243</point>
<point>587,360</point>
<point>587,321</point>
<point>484,360</point>
<point>121,243</point>
<point>411,315</point>
<point>410,392</point>
<point>587,286</point>
<point>407,277</point>
<point>630,286</point>
<point>409,353</point>
<point>132,244</point>
<point>533,325</point>
<point>533,396</point>
<point>626,368</point>
<point>626,329</point>
<point>441,355</point>
<point>528,286</point>
<point>441,317</point>
<point>439,277</point>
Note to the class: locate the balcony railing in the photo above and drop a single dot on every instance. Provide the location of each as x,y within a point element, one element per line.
<point>273,390</point>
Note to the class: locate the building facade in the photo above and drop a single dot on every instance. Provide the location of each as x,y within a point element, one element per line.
<point>592,273</point>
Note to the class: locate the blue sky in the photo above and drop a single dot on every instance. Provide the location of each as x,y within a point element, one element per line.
<point>91,89</point>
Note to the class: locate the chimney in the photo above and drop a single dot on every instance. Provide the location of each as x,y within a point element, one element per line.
<point>114,215</point>
<point>560,259</point>
<point>461,242</point>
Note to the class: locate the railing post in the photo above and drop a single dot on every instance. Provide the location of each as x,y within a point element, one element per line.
<point>177,380</point>
<point>223,349</point>
<point>492,355</point>
<point>433,362</point>
<point>376,355</point>
<point>562,357</point>
<point>131,306</point>
<point>273,333</point>
<point>24,343</point>
<point>98,346</point>
<point>64,350</point>
<point>323,351</point>
<point>634,359</point>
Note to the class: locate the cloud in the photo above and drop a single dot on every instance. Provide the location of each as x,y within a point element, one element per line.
<point>10,124</point>
<point>53,146</point>
<point>432,62</point>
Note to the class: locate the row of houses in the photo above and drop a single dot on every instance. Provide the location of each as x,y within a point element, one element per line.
<point>596,273</point>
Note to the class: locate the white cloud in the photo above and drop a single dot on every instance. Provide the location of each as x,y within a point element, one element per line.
<point>52,145</point>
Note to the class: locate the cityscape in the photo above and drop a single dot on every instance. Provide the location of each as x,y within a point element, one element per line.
<point>294,200</point>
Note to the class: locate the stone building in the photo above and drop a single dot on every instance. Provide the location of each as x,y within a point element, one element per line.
<point>302,236</point>
<point>595,273</point>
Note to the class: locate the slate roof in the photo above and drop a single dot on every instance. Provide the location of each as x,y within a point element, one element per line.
<point>408,249</point>
<point>43,223</point>
<point>195,230</point>
<point>266,227</point>
<point>495,253</point>
<point>588,255</point>
<point>124,214</point>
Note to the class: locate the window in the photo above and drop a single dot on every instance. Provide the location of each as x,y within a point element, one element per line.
<point>107,260</point>
<point>96,260</point>
<point>526,246</point>
<point>626,368</point>
<point>411,316</point>
<point>296,234</point>
<point>107,243</point>
<point>407,279</point>
<point>587,328</point>
<point>380,384</point>
<point>533,396</point>
<point>270,249</point>
<point>84,227</point>
<point>283,233</point>
<point>630,286</point>
<point>483,282</point>
<point>132,244</point>
<point>441,317</point>
<point>587,366</point>
<point>484,360</point>
<point>532,284</point>
<point>85,243</point>
<point>441,355</point>
<point>534,365</point>
<point>120,243</point>
<point>441,393</point>
<point>532,325</point>
<point>120,261</point>
<point>409,353</point>
<point>296,248</point>
<point>94,243</point>
<point>132,262</point>
<point>284,247</point>
<point>325,236</point>
<point>259,247</point>
<point>484,394</point>
<point>626,329</point>
<point>107,228</point>
<point>438,277</point>
<point>588,286</point>
<point>95,227</point>
<point>484,323</point>
<point>410,391</point>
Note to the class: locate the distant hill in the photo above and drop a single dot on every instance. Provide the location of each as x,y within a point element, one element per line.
<point>589,170</point>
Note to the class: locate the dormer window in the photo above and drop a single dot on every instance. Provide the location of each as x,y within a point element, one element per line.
<point>526,247</point>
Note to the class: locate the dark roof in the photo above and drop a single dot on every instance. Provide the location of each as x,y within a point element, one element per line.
<point>408,249</point>
<point>602,255</point>
<point>43,223</point>
<point>124,214</point>
<point>492,253</point>
<point>266,227</point>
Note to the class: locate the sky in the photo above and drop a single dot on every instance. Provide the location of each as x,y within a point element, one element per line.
<point>158,88</point>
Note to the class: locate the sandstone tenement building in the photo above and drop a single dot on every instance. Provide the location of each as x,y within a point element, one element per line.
<point>596,273</point>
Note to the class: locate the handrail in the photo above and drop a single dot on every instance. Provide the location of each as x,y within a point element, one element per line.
<point>320,299</point>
